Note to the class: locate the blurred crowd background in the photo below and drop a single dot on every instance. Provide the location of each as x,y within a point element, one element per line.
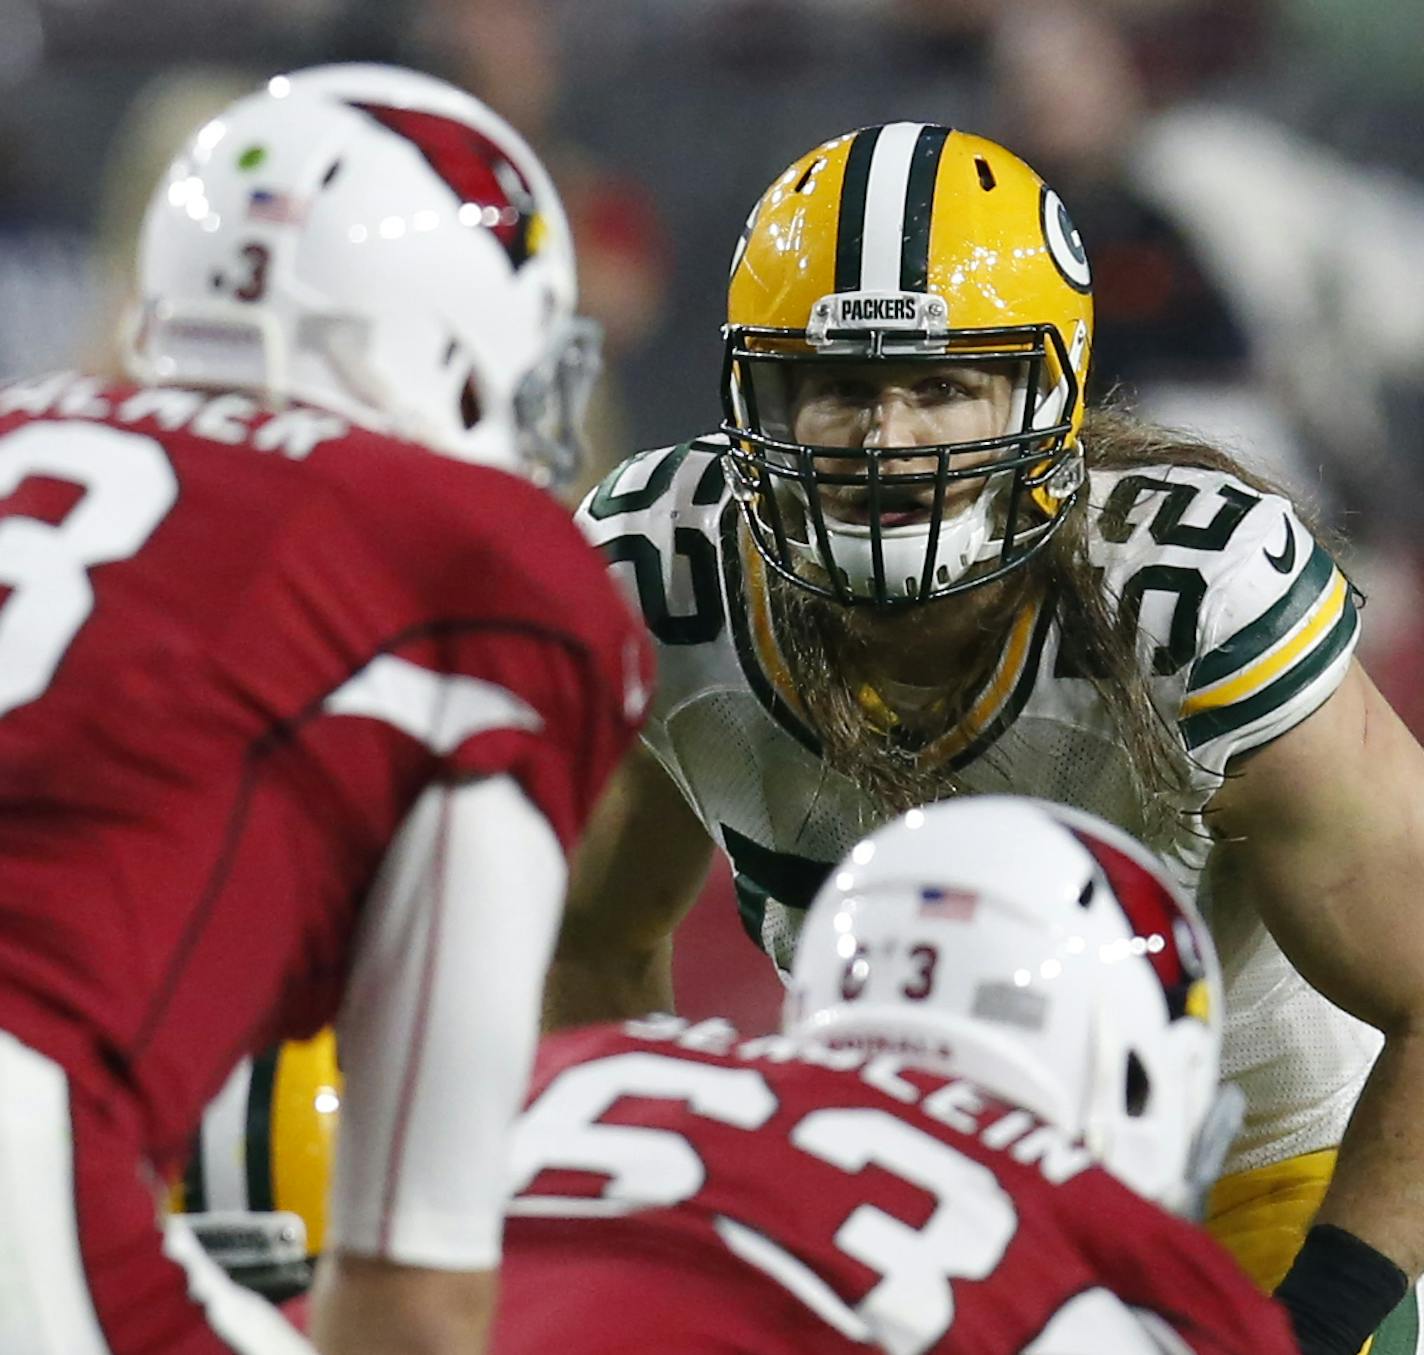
<point>1248,176</point>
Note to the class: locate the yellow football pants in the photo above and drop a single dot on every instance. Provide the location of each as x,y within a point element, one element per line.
<point>1262,1216</point>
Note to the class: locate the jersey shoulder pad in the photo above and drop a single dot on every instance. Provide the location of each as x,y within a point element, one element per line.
<point>1277,634</point>
<point>1185,516</point>
<point>650,491</point>
<point>659,515</point>
<point>519,541</point>
<point>1275,618</point>
<point>564,1049</point>
<point>1097,1319</point>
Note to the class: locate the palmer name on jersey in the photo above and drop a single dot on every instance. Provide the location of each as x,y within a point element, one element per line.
<point>1245,624</point>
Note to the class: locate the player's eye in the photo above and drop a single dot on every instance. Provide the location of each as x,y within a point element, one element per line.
<point>943,390</point>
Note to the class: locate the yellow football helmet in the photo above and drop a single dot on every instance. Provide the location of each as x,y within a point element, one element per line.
<point>907,243</point>
<point>255,1187</point>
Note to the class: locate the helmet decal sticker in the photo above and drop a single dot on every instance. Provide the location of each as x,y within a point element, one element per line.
<point>1065,245</point>
<point>850,220</point>
<point>261,1193</point>
<point>1156,920</point>
<point>949,902</point>
<point>275,207</point>
<point>919,204</point>
<point>477,171</point>
<point>887,194</point>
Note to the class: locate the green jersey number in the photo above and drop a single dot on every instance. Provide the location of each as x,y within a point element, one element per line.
<point>704,622</point>
<point>1184,582</point>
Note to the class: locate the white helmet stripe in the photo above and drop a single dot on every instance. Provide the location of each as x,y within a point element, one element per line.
<point>884,235</point>
<point>224,1172</point>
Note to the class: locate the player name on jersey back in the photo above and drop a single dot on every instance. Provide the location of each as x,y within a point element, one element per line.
<point>228,418</point>
<point>679,1188</point>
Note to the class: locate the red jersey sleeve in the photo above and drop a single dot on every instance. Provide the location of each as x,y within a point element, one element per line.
<point>526,661</point>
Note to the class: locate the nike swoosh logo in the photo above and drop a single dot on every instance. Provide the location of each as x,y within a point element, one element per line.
<point>1285,561</point>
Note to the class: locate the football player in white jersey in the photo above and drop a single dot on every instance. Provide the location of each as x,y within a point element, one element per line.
<point>912,565</point>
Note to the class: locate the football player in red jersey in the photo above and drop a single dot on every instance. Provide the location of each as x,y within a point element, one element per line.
<point>998,1076</point>
<point>303,701</point>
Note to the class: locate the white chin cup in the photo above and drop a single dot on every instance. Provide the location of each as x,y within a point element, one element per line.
<point>964,541</point>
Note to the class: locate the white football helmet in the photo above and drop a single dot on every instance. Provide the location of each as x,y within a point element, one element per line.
<point>1042,954</point>
<point>381,244</point>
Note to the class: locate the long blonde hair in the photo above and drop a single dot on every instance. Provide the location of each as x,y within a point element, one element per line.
<point>819,640</point>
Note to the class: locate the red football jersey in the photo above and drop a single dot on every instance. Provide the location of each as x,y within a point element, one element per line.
<point>234,647</point>
<point>753,1200</point>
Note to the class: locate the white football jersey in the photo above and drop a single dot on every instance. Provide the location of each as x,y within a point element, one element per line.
<point>1245,623</point>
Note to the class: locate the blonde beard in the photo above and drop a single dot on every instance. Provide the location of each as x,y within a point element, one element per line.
<point>834,652</point>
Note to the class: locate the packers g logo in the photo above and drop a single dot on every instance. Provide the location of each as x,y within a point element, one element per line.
<point>1065,246</point>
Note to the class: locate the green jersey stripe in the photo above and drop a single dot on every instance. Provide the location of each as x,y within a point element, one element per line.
<point>606,502</point>
<point>1210,724</point>
<point>1021,693</point>
<point>714,480</point>
<point>1252,641</point>
<point>744,645</point>
<point>1399,1333</point>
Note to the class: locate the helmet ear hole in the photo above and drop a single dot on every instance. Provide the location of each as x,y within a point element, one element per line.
<point>1137,1090</point>
<point>469,403</point>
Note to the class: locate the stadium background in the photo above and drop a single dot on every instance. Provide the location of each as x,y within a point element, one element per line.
<point>1247,175</point>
